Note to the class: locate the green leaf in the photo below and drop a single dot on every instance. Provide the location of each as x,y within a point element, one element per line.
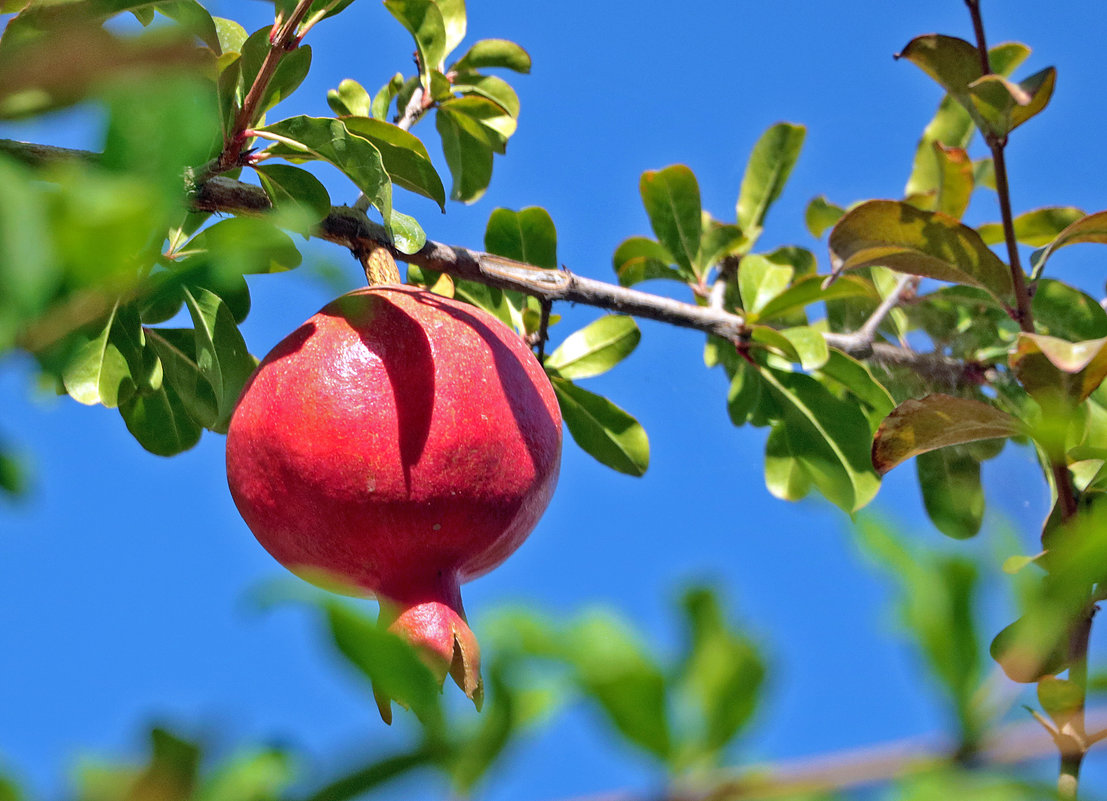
<point>1062,699</point>
<point>810,289</point>
<point>350,99</point>
<point>856,378</point>
<point>290,73</point>
<point>603,430</point>
<point>1031,648</point>
<point>613,670</point>
<point>1092,228</point>
<point>952,62</point>
<point>105,369</point>
<point>908,240</point>
<point>829,438</point>
<point>160,422</point>
<point>493,53</point>
<point>489,87</point>
<point>722,671</point>
<point>1001,106</point>
<point>480,750</point>
<point>936,421</point>
<point>13,483</point>
<point>453,21</point>
<point>1064,311</point>
<point>193,18</point>
<point>482,119</point>
<point>392,665</point>
<point>1050,368</point>
<point>820,215</point>
<point>468,157</point>
<point>176,348</point>
<point>404,157</point>
<point>760,281</point>
<point>745,393</point>
<point>640,259</point>
<point>246,246</point>
<point>785,476</point>
<point>718,242</point>
<point>221,353</point>
<point>951,491</point>
<point>289,186</point>
<point>423,20</point>
<point>231,35</point>
<point>956,181</point>
<point>770,164</point>
<point>596,348</point>
<point>257,775</point>
<point>29,273</point>
<point>382,100</point>
<point>672,200</point>
<point>528,236</point>
<point>313,138</point>
<point>1035,228</point>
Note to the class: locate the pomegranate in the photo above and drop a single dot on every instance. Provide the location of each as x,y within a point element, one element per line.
<point>397,444</point>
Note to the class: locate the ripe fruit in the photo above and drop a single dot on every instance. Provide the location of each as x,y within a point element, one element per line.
<point>397,444</point>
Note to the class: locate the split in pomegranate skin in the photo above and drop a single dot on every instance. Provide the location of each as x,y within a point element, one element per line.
<point>397,444</point>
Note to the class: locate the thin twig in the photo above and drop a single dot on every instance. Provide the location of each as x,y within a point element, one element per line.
<point>864,338</point>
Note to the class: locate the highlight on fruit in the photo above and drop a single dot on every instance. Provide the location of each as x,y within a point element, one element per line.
<point>396,445</point>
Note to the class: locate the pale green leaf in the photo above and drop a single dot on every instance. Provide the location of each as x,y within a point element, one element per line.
<point>769,166</point>
<point>596,348</point>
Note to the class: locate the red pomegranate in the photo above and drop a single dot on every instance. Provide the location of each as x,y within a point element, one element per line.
<point>397,444</point>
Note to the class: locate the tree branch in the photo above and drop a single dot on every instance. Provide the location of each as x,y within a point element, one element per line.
<point>351,228</point>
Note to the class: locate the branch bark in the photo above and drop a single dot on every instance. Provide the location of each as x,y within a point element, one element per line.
<point>351,228</point>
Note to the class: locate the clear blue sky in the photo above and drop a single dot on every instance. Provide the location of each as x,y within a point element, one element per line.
<point>124,575</point>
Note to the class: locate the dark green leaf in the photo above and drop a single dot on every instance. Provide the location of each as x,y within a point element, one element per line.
<point>289,186</point>
<point>745,393</point>
<point>672,200</point>
<point>221,353</point>
<point>596,348</point>
<point>528,236</point>
<point>405,158</point>
<point>951,491</point>
<point>493,53</point>
<point>770,164</point>
<point>856,378</point>
<point>290,73</point>
<point>1064,311</point>
<point>468,157</point>
<point>603,430</point>
<point>829,437</point>
<point>246,246</point>
<point>785,475</point>
<point>13,482</point>
<point>936,421</point>
<point>906,239</point>
<point>176,348</point>
<point>160,422</point>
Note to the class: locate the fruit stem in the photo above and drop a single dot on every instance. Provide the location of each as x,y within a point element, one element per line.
<point>379,264</point>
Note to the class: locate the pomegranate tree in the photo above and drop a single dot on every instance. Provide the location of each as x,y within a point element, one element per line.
<point>397,444</point>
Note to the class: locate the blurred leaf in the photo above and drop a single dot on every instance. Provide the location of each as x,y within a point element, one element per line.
<point>314,138</point>
<point>423,19</point>
<point>1092,228</point>
<point>1035,228</point>
<point>936,421</point>
<point>392,665</point>
<point>1001,106</point>
<point>256,775</point>
<point>905,239</point>
<point>13,482</point>
<point>468,157</point>
<point>493,53</point>
<point>952,494</point>
<point>29,273</point>
<point>478,752</point>
<point>405,158</point>
<point>291,186</point>
<point>528,236</point>
<point>829,438</point>
<point>1030,648</point>
<point>1062,699</point>
<point>614,671</point>
<point>245,246</point>
<point>1066,312</point>
<point>722,671</point>
<point>760,281</point>
<point>769,166</point>
<point>821,214</point>
<point>603,430</point>
<point>1049,367</point>
<point>221,353</point>
<point>640,259</point>
<point>9,790</point>
<point>672,200</point>
<point>596,348</point>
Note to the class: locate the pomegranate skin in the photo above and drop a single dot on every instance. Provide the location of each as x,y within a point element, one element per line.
<point>397,444</point>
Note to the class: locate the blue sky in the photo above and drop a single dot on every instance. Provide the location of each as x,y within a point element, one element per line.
<point>125,575</point>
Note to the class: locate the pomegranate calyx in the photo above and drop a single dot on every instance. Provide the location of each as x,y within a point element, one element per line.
<point>445,642</point>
